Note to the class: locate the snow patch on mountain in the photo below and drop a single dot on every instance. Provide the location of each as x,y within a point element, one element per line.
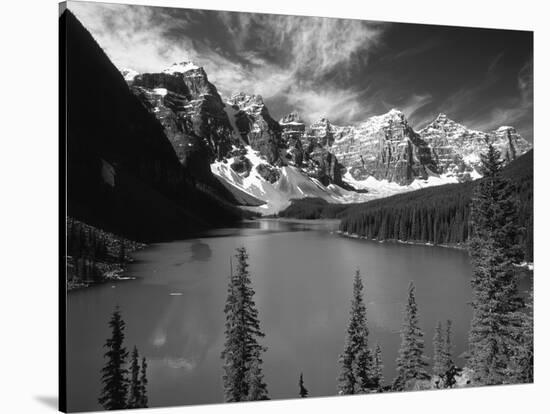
<point>181,67</point>
<point>128,74</point>
<point>292,184</point>
<point>160,91</point>
<point>384,188</point>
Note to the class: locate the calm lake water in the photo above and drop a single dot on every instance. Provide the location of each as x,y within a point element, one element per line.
<point>302,274</point>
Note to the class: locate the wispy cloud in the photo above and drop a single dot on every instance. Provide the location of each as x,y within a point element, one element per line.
<point>414,51</point>
<point>306,49</point>
<point>337,104</point>
<point>346,70</point>
<point>513,111</point>
<point>129,35</point>
<point>494,62</point>
<point>412,106</point>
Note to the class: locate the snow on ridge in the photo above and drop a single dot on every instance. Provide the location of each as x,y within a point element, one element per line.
<point>160,91</point>
<point>385,188</point>
<point>181,67</point>
<point>291,123</point>
<point>292,184</point>
<point>129,74</point>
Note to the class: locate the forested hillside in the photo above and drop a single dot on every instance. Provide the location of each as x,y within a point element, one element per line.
<point>94,255</point>
<point>438,215</point>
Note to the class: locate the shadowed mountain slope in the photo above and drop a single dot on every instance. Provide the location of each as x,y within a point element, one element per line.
<point>122,172</point>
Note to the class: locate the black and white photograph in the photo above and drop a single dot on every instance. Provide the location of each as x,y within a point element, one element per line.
<point>267,206</point>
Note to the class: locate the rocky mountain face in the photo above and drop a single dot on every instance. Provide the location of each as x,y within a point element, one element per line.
<point>320,133</point>
<point>189,108</point>
<point>252,121</point>
<point>308,149</point>
<point>457,149</point>
<point>293,131</point>
<point>384,147</point>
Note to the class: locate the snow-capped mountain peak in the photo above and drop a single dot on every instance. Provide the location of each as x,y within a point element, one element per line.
<point>441,117</point>
<point>181,67</point>
<point>251,104</point>
<point>129,74</point>
<point>392,115</point>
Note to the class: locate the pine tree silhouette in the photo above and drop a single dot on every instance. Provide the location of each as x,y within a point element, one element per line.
<point>495,333</point>
<point>411,362</point>
<point>303,390</point>
<point>144,401</point>
<point>114,374</point>
<point>134,398</point>
<point>356,360</point>
<point>243,378</point>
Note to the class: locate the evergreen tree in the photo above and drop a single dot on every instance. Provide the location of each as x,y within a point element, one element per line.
<point>356,360</point>
<point>257,389</point>
<point>242,379</point>
<point>378,368</point>
<point>411,362</point>
<point>134,399</point>
<point>496,324</point>
<point>494,208</point>
<point>439,358</point>
<point>448,346</point>
<point>449,378</point>
<point>144,401</point>
<point>114,375</point>
<point>303,390</point>
<point>522,367</point>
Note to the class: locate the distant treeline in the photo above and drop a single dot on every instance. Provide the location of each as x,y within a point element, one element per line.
<point>314,208</point>
<point>439,215</point>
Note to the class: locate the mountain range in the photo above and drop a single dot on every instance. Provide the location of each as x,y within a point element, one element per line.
<point>266,163</point>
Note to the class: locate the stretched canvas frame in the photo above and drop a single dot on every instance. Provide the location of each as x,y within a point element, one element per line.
<point>164,168</point>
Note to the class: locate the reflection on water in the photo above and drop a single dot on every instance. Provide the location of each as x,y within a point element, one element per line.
<point>200,251</point>
<point>302,273</point>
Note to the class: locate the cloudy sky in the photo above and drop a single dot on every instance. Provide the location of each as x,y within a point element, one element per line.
<point>346,70</point>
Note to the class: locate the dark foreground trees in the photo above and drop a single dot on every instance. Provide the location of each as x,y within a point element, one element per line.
<point>114,373</point>
<point>497,326</point>
<point>303,390</point>
<point>444,369</point>
<point>377,368</point>
<point>443,349</point>
<point>356,372</point>
<point>144,400</point>
<point>411,362</point>
<point>118,390</point>
<point>243,378</point>
<point>137,397</point>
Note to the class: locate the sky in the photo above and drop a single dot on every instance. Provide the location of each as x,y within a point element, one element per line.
<point>345,70</point>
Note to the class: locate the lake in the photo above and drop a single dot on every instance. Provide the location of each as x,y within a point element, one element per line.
<point>302,273</point>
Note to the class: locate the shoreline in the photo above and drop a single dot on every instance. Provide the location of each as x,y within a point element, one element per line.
<point>115,275</point>
<point>525,265</point>
<point>456,246</point>
<point>115,272</point>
